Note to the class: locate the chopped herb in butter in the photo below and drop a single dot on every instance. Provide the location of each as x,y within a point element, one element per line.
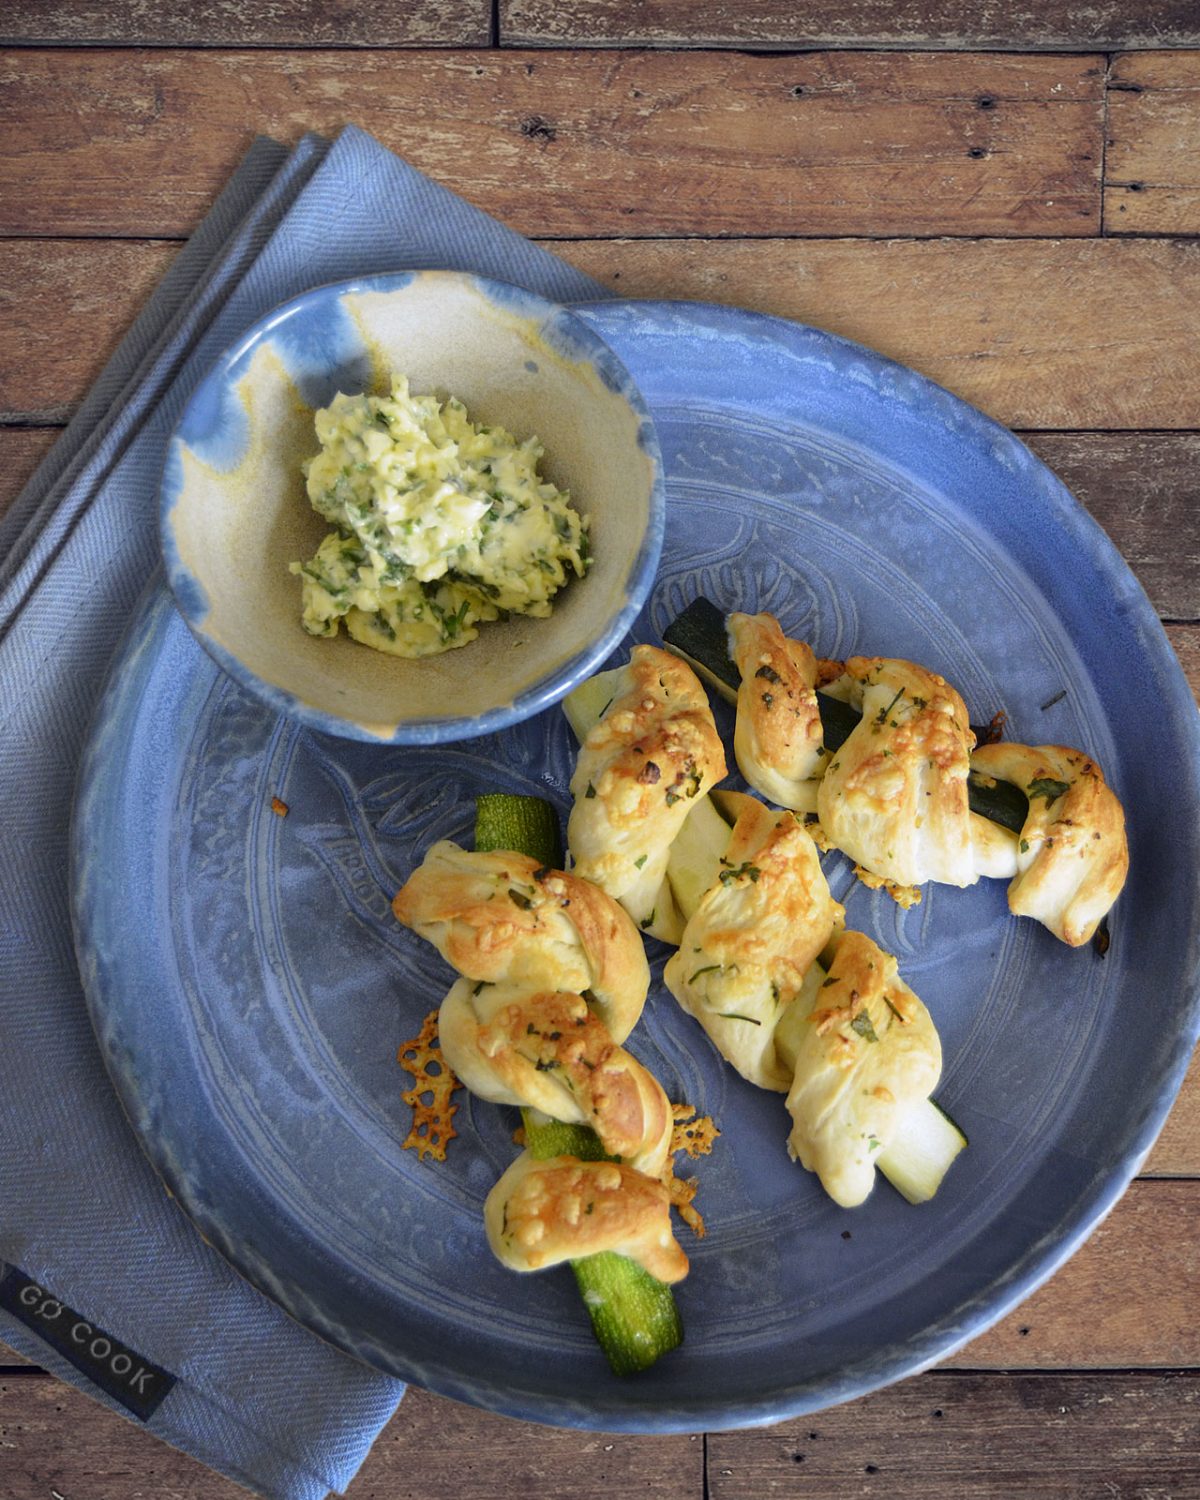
<point>439,524</point>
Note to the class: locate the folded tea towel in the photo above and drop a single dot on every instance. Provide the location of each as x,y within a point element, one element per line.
<point>102,1279</point>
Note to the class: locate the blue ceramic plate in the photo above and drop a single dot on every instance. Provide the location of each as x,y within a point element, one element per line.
<point>250,987</point>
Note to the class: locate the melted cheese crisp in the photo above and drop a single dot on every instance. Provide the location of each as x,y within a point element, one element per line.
<point>439,524</point>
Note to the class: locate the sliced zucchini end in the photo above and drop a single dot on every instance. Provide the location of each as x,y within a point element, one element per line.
<point>923,1152</point>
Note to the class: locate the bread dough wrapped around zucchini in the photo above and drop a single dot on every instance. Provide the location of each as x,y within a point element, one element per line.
<point>778,741</point>
<point>548,1051</point>
<point>865,1054</point>
<point>1070,860</point>
<point>746,950</point>
<point>852,1047</point>
<point>894,795</point>
<point>653,752</point>
<point>555,976</point>
<point>541,1213</point>
<point>501,917</point>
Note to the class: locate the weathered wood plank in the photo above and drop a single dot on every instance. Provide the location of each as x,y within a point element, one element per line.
<point>1055,334</point>
<point>1076,1321</point>
<point>560,143</point>
<point>946,1435</point>
<point>1176,1153</point>
<point>1102,1310</point>
<point>985,1437</point>
<point>64,306</point>
<point>1141,487</point>
<point>1137,485</point>
<point>1186,641</point>
<point>1052,334</point>
<point>277,23</point>
<point>433,1449</point>
<point>1152,164</point>
<point>1024,26</point>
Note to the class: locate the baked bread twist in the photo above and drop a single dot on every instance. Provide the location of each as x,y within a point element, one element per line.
<point>640,768</point>
<point>851,1046</point>
<point>535,946</point>
<point>500,917</point>
<point>778,740</point>
<point>1070,860</point>
<point>894,795</point>
<point>745,952</point>
<point>548,1051</point>
<point>866,1051</point>
<point>541,1213</point>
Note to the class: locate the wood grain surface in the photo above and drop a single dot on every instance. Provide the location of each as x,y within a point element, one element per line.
<point>1093,334</point>
<point>1153,161</point>
<point>264,23</point>
<point>998,1437</point>
<point>1024,25</point>
<point>103,142</point>
<point>1123,479</point>
<point>1052,334</point>
<point>939,1436</point>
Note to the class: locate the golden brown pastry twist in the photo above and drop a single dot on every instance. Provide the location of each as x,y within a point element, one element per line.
<point>535,946</point>
<point>500,917</point>
<point>640,769</point>
<point>1070,860</point>
<point>541,1213</point>
<point>801,1006</point>
<point>894,795</point>
<point>549,1051</point>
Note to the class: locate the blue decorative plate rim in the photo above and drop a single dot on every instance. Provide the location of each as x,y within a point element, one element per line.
<point>964,1321</point>
<point>570,336</point>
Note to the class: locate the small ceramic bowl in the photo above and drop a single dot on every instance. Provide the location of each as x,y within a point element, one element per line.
<point>234,512</point>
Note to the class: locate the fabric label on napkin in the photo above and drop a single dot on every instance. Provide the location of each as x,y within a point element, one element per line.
<point>119,1371</point>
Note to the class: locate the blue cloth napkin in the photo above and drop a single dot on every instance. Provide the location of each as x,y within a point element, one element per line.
<point>84,1221</point>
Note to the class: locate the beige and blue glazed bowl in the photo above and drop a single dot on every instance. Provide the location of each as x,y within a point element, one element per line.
<point>234,512</point>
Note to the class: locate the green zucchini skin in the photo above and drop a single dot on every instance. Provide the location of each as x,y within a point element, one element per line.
<point>699,633</point>
<point>635,1317</point>
<point>528,825</point>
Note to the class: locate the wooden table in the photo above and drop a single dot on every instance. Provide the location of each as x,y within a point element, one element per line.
<point>1004,196</point>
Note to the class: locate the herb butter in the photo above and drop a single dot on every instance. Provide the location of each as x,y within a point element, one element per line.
<point>439,524</point>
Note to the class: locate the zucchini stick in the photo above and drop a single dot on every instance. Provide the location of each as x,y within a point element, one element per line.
<point>699,635</point>
<point>634,1315</point>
